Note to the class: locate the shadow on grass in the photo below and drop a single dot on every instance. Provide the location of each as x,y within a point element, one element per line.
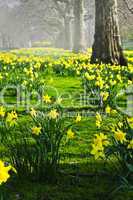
<point>73,182</point>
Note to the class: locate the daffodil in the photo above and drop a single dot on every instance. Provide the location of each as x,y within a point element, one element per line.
<point>59,100</point>
<point>97,152</point>
<point>108,109</point>
<point>78,118</point>
<point>104,95</point>
<point>12,118</point>
<point>101,140</point>
<point>113,112</point>
<point>47,98</point>
<point>98,120</point>
<point>53,114</point>
<point>99,143</point>
<point>99,82</point>
<point>70,134</point>
<point>120,136</point>
<point>1,77</point>
<point>33,112</point>
<point>120,124</point>
<point>36,130</point>
<point>4,172</point>
<point>130,121</point>
<point>2,111</point>
<point>89,77</point>
<point>130,145</point>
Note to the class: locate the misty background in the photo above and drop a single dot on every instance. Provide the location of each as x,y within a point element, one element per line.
<point>23,23</point>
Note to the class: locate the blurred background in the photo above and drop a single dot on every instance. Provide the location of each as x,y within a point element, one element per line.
<point>50,23</point>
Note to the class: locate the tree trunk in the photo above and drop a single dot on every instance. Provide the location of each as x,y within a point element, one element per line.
<point>107,43</point>
<point>78,36</point>
<point>67,33</point>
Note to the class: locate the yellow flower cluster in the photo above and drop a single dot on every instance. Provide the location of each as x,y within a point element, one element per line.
<point>100,142</point>
<point>11,118</point>
<point>4,172</point>
<point>117,134</point>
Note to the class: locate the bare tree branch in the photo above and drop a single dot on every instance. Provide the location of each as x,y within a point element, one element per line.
<point>128,7</point>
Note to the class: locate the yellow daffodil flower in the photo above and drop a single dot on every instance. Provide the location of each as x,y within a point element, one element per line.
<point>98,120</point>
<point>78,118</point>
<point>12,118</point>
<point>47,99</point>
<point>36,130</point>
<point>70,134</point>
<point>120,136</point>
<point>4,172</point>
<point>53,114</point>
<point>2,111</point>
<point>108,110</point>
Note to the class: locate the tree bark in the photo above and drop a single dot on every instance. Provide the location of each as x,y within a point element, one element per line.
<point>78,36</point>
<point>107,43</point>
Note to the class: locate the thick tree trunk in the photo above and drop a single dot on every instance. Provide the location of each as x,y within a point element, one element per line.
<point>78,36</point>
<point>67,33</point>
<point>107,42</point>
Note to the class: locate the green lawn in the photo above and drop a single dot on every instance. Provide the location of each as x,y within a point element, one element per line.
<point>79,177</point>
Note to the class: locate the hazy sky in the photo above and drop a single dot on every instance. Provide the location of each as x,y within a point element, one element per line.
<point>9,3</point>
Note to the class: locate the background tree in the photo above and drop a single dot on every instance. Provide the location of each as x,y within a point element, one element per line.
<point>127,3</point>
<point>55,21</point>
<point>64,9</point>
<point>107,43</point>
<point>78,35</point>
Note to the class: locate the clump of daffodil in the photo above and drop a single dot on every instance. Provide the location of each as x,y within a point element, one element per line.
<point>53,114</point>
<point>114,112</point>
<point>99,143</point>
<point>47,98</point>
<point>120,136</point>
<point>36,130</point>
<point>78,118</point>
<point>98,120</point>
<point>89,77</point>
<point>99,82</point>
<point>4,172</point>
<point>11,118</point>
<point>2,111</point>
<point>70,134</point>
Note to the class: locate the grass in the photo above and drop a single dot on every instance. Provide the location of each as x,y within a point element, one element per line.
<point>80,177</point>
<point>68,88</point>
<point>68,187</point>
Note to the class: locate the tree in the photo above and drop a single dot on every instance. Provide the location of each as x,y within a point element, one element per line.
<point>128,6</point>
<point>64,8</point>
<point>107,43</point>
<point>78,36</point>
